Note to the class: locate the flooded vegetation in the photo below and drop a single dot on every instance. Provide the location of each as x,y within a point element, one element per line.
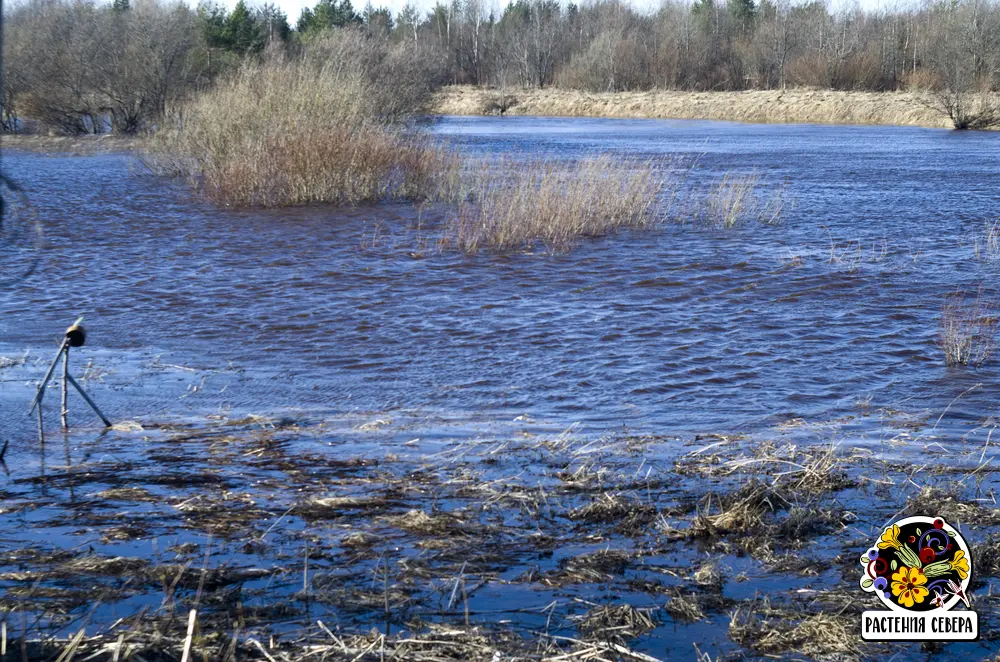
<point>670,437</point>
<point>386,383</point>
<point>321,128</point>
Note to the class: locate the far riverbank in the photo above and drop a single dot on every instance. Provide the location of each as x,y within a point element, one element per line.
<point>807,106</point>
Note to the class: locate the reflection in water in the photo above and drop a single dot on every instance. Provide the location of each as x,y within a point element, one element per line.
<point>195,310</point>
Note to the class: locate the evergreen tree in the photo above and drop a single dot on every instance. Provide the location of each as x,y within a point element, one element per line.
<point>328,14</point>
<point>744,12</point>
<point>273,22</point>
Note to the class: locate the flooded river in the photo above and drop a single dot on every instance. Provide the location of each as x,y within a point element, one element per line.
<point>681,329</point>
<point>333,419</point>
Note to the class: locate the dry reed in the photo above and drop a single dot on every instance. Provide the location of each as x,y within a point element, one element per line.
<point>287,133</point>
<point>968,329</point>
<point>803,105</point>
<point>515,205</point>
<point>738,200</point>
<point>988,247</point>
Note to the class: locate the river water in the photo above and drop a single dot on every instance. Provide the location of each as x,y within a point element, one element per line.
<point>398,359</point>
<point>194,309</point>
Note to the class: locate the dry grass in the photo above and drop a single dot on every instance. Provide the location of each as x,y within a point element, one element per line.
<point>515,205</point>
<point>947,503</point>
<point>761,106</point>
<point>987,247</point>
<point>616,622</point>
<point>288,133</point>
<point>685,609</point>
<point>968,329</point>
<point>738,200</point>
<point>772,632</point>
<point>74,145</point>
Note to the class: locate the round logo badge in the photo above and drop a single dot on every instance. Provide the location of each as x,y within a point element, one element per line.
<point>918,564</point>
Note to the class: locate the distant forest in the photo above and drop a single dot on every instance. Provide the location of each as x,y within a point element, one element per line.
<point>69,62</point>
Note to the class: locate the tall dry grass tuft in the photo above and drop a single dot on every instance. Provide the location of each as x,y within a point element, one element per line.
<point>515,205</point>
<point>968,329</point>
<point>988,246</point>
<point>739,200</point>
<point>289,132</point>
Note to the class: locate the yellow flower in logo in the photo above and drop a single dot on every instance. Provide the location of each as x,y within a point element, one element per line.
<point>890,538</point>
<point>960,564</point>
<point>908,586</point>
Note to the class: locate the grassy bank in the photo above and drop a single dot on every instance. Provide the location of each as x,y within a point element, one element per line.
<point>769,106</point>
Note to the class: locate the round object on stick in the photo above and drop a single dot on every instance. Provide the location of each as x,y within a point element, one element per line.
<point>76,335</point>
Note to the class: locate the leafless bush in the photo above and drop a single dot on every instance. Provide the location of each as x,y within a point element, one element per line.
<point>285,132</point>
<point>968,329</point>
<point>77,67</point>
<point>975,111</point>
<point>393,79</point>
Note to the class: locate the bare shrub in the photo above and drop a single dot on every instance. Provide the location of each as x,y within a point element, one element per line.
<point>395,79</point>
<point>968,329</point>
<point>285,133</point>
<point>975,111</point>
<point>515,205</point>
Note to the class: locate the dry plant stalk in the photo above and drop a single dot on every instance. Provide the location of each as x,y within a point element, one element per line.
<point>968,329</point>
<point>515,205</point>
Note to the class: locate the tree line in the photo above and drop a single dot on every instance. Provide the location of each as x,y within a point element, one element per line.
<point>78,65</point>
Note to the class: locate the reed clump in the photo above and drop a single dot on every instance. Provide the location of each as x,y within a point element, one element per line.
<point>289,132</point>
<point>515,205</point>
<point>968,329</point>
<point>740,200</point>
<point>987,247</point>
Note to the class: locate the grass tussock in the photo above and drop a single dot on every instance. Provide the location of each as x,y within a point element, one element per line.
<point>286,132</point>
<point>772,632</point>
<point>617,622</point>
<point>968,329</point>
<point>517,205</point>
<point>987,247</point>
<point>739,200</point>
<point>685,609</point>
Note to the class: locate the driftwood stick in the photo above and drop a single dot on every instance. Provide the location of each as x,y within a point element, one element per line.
<point>48,375</point>
<point>90,402</point>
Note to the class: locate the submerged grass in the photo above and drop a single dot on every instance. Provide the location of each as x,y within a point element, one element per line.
<point>514,205</point>
<point>968,329</point>
<point>444,542</point>
<point>987,247</point>
<point>739,200</point>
